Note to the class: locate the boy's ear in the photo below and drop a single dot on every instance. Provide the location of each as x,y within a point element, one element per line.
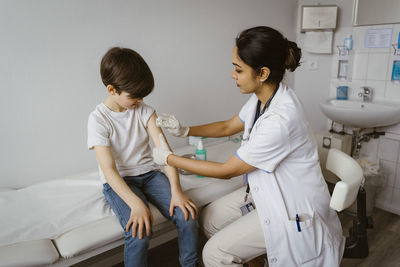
<point>264,74</point>
<point>111,90</point>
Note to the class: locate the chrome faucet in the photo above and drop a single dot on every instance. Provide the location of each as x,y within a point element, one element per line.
<point>366,94</point>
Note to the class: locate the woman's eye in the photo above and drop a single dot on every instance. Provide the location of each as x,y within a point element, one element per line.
<point>238,71</point>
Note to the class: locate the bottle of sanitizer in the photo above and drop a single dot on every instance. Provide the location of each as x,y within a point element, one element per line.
<point>201,153</point>
<point>348,42</point>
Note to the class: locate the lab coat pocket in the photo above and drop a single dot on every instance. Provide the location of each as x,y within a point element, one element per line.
<point>306,237</point>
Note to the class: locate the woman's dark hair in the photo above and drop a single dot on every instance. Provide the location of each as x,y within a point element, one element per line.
<point>127,71</point>
<point>266,47</point>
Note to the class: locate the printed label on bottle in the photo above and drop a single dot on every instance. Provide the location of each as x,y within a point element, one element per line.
<point>201,156</point>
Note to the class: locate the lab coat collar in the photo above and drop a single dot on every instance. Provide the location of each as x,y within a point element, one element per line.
<point>282,91</point>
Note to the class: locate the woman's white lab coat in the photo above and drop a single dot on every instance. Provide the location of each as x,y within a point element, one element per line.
<point>288,182</point>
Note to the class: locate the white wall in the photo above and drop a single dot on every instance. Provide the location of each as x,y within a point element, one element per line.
<point>50,54</point>
<point>312,86</point>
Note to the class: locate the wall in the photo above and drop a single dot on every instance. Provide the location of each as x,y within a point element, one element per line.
<point>50,54</point>
<point>312,86</point>
<point>370,67</point>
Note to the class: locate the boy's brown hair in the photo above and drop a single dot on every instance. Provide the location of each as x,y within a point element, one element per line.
<point>126,70</point>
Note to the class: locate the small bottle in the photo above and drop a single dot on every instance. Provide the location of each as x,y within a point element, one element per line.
<point>398,42</point>
<point>396,71</point>
<point>348,42</point>
<point>341,92</point>
<point>201,153</point>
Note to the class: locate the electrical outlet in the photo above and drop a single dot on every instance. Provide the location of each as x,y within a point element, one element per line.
<point>312,64</point>
<point>326,142</point>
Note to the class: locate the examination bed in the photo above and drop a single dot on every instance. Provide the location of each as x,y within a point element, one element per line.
<point>78,226</point>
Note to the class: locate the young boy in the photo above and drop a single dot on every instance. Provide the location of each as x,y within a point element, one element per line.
<point>119,130</point>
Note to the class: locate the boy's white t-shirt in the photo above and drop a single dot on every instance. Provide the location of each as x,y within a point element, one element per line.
<point>126,134</point>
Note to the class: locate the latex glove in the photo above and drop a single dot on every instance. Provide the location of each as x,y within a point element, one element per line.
<point>161,153</point>
<point>169,122</point>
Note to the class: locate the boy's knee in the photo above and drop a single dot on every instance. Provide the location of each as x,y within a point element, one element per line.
<point>138,243</point>
<point>189,225</point>
<point>179,218</point>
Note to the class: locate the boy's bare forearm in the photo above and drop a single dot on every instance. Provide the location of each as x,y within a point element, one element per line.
<point>113,178</point>
<point>171,172</point>
<point>173,177</point>
<point>120,187</point>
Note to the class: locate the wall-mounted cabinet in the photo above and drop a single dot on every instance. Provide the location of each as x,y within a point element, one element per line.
<point>318,17</point>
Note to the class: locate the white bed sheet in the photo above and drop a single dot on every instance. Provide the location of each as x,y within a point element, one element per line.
<point>49,209</point>
<point>46,210</point>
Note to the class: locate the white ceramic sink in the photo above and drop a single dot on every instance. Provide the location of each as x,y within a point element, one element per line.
<point>361,114</point>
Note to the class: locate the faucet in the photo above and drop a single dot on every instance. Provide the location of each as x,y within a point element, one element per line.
<point>366,94</point>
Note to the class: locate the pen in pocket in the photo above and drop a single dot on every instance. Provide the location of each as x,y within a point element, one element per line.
<point>298,223</point>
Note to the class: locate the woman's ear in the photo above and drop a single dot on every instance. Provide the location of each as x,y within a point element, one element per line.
<point>264,74</point>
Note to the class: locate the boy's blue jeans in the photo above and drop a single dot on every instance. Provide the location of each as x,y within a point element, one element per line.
<point>153,187</point>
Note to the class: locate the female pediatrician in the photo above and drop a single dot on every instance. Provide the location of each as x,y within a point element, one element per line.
<point>292,221</point>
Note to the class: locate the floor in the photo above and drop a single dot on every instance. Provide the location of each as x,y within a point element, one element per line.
<point>384,244</point>
<point>383,240</point>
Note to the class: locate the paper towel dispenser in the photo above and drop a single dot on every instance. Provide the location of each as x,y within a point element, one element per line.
<point>318,17</point>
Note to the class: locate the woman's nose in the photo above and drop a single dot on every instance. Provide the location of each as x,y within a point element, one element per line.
<point>233,76</point>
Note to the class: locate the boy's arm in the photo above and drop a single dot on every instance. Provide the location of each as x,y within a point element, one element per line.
<point>141,216</point>
<point>178,197</point>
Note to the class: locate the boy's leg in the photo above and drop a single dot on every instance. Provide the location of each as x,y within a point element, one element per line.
<point>135,249</point>
<point>158,191</point>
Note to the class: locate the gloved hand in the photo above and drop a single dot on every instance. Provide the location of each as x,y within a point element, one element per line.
<point>161,153</point>
<point>169,122</point>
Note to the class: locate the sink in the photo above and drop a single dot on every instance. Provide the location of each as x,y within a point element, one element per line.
<point>360,114</point>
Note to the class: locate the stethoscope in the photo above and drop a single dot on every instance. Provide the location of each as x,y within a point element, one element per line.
<point>257,115</point>
<point>246,135</point>
<point>259,112</point>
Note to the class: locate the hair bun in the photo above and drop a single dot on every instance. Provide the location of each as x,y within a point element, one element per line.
<point>293,55</point>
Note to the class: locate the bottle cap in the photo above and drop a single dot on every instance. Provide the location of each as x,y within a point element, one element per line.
<point>348,36</point>
<point>200,145</point>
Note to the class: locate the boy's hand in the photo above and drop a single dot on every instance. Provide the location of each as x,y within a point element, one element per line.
<point>184,203</point>
<point>169,122</point>
<point>141,219</point>
<point>161,153</point>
